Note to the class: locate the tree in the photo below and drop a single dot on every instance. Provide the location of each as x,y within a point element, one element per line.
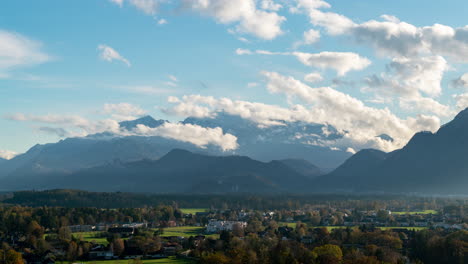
<point>216,258</point>
<point>328,254</point>
<point>118,246</point>
<point>11,257</point>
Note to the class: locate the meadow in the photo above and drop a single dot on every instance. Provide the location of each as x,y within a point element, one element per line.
<point>193,210</point>
<point>186,231</point>
<point>425,212</point>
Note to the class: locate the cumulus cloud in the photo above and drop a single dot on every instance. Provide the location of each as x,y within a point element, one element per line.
<point>244,13</point>
<point>309,37</point>
<point>391,37</point>
<point>123,111</point>
<point>414,81</point>
<point>7,154</point>
<point>77,126</point>
<point>197,135</point>
<point>361,123</point>
<point>17,51</point>
<point>68,125</point>
<point>270,5</point>
<point>260,113</point>
<point>461,101</point>
<point>460,82</point>
<point>109,54</point>
<point>162,21</point>
<point>313,77</point>
<point>341,62</point>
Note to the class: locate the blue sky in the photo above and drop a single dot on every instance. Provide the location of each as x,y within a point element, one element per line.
<point>52,69</point>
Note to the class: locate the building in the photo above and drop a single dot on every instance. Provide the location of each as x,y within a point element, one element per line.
<point>123,231</point>
<point>215,226</point>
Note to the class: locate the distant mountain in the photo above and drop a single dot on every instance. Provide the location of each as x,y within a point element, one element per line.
<point>303,167</point>
<point>288,140</point>
<point>430,163</point>
<point>176,172</point>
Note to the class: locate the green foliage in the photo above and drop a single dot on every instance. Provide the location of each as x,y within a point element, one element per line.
<point>328,254</point>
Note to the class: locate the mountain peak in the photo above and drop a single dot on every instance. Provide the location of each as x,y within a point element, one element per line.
<point>147,120</point>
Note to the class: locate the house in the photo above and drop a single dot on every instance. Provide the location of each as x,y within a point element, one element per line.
<point>215,226</point>
<point>101,252</point>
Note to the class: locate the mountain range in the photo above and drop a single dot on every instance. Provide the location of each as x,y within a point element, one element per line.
<point>431,163</point>
<point>179,171</point>
<point>260,143</point>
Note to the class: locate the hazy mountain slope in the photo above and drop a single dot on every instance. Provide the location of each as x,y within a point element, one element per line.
<point>178,171</point>
<point>303,167</point>
<point>430,163</point>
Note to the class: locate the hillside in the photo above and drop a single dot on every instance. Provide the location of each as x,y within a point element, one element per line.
<point>178,171</point>
<point>431,163</point>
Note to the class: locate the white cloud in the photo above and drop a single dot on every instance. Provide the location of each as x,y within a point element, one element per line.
<point>110,54</point>
<point>249,19</point>
<point>460,82</point>
<point>148,7</point>
<point>341,62</point>
<point>68,125</point>
<point>311,36</point>
<point>392,37</point>
<point>313,77</point>
<point>162,21</point>
<point>123,111</point>
<point>252,84</point>
<point>243,51</point>
<point>7,154</point>
<point>145,89</point>
<point>461,101</point>
<point>208,106</point>
<point>414,81</point>
<point>270,5</point>
<point>173,78</point>
<point>346,113</point>
<point>117,2</point>
<point>17,51</point>
<point>197,135</point>
<point>77,126</point>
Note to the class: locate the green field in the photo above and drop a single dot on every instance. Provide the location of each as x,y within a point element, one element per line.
<point>193,210</point>
<point>169,260</point>
<point>186,231</point>
<point>416,212</point>
<point>91,236</point>
<point>330,228</point>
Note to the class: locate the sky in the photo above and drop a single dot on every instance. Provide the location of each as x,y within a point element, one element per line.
<point>74,68</point>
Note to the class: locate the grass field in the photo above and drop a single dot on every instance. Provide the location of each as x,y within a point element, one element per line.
<point>193,210</point>
<point>169,260</point>
<point>416,212</point>
<point>186,231</point>
<point>91,236</point>
<point>330,228</point>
